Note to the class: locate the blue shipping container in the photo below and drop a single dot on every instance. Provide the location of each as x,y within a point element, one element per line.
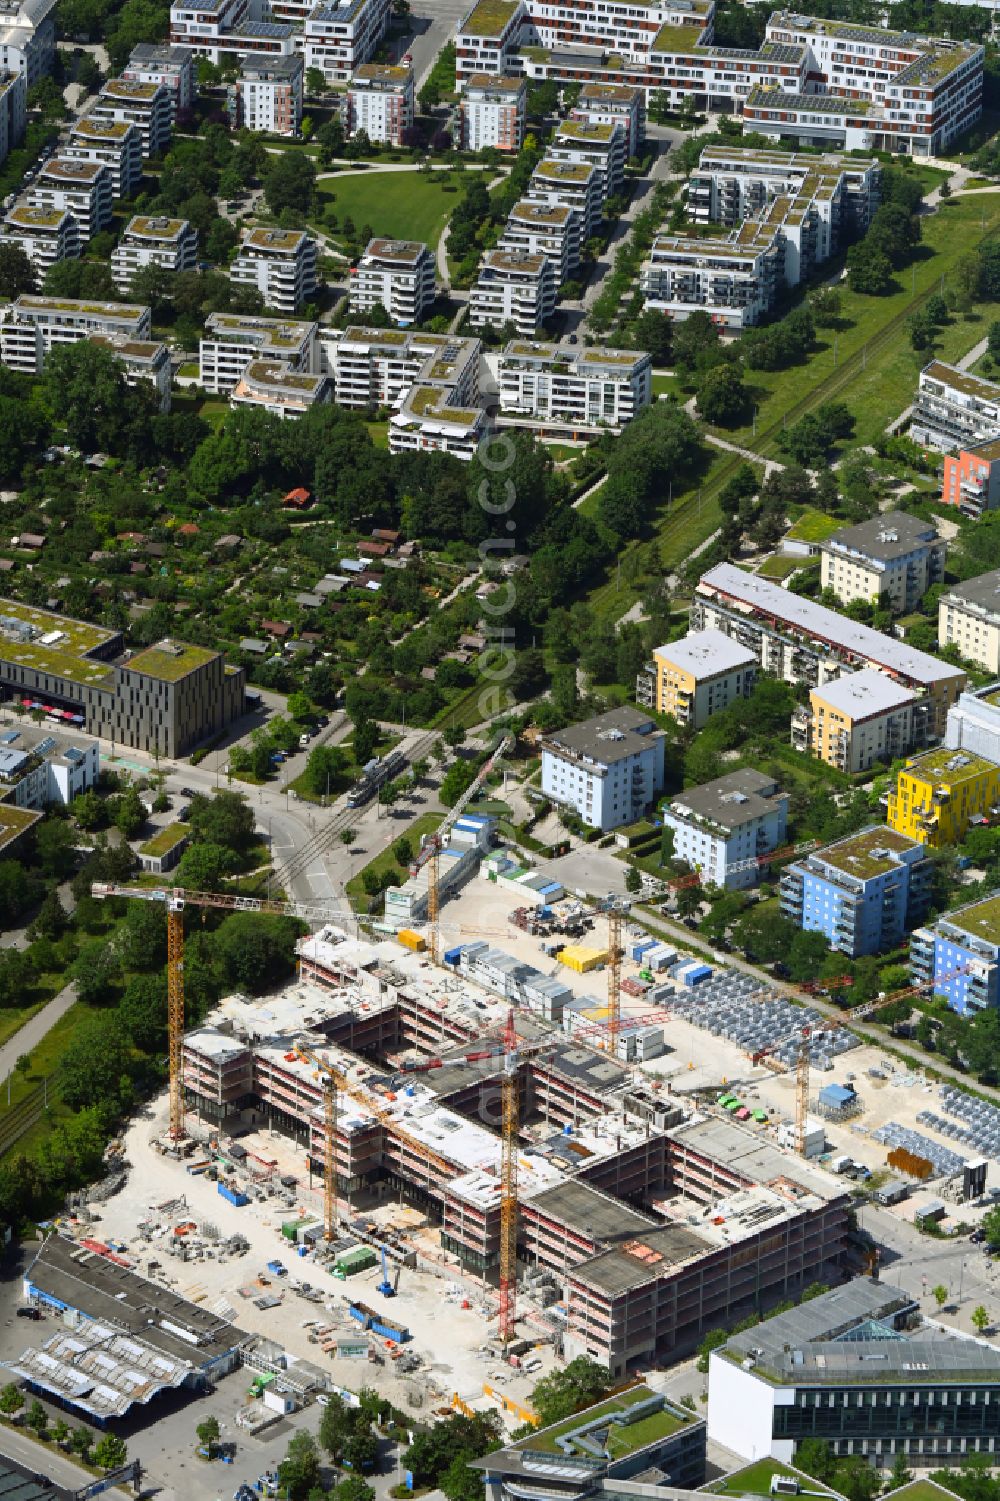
<point>694,974</point>
<point>232,1195</point>
<point>396,1332</point>
<point>452,956</point>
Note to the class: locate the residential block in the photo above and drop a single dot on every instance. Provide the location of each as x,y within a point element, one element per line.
<point>114,143</point>
<point>726,828</point>
<point>83,189</point>
<point>572,387</point>
<point>860,719</point>
<point>694,678</point>
<point>398,275</point>
<point>958,956</point>
<point>340,36</point>
<point>608,769</point>
<point>513,286</point>
<point>892,560</point>
<point>380,102</point>
<point>280,263</point>
<point>938,794</point>
<point>268,94</point>
<point>492,113</point>
<point>144,105</point>
<point>969,619</point>
<point>863,893</point>
<point>153,240</point>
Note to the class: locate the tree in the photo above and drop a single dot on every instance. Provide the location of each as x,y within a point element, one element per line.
<point>869,270</point>
<point>226,819</point>
<point>857,1479</point>
<point>51,919</point>
<point>348,836</point>
<point>81,1441</point>
<point>325,768</point>
<point>55,847</point>
<point>980,1319</point>
<point>36,1417</point>
<point>290,182</point>
<point>940,1294</point>
<point>433,1452</point>
<point>205,867</point>
<point>300,707</point>
<point>299,1471</point>
<point>361,1449</point>
<point>564,1391</point>
<point>11,1399</point>
<point>402,850</point>
<point>110,1451</point>
<point>633,880</point>
<point>208,1434</point>
<point>366,737</point>
<point>722,396</point>
<point>88,810</point>
<point>142,1010</point>
<point>899,1475</point>
<point>815,1456</point>
<point>457,779</point>
<point>60,1431</point>
<point>993,342</point>
<point>16,272</point>
<point>96,1065</point>
<point>252,952</point>
<point>130,813</point>
<point>83,388</point>
<point>93,971</point>
<point>336,1425</point>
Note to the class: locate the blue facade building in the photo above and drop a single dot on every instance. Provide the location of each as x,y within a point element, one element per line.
<point>960,952</point>
<point>863,893</point>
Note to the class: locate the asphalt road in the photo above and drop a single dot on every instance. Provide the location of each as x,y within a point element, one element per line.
<point>430,29</point>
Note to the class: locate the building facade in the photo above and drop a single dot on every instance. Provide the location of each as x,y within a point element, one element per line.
<point>398,275</point>
<point>276,389</point>
<point>13,111</point>
<point>45,235</point>
<point>38,767</point>
<point>338,37</point>
<point>281,264</point>
<point>694,678</point>
<point>863,893</point>
<point>938,794</point>
<point>268,94</point>
<point>492,113</point>
<point>608,769</point>
<point>516,287</point>
<point>858,720</point>
<point>27,39</point>
<point>114,143</point>
<point>231,341</point>
<point>958,956</point>
<point>974,723</point>
<point>972,479</point>
<point>969,619</point>
<point>161,63</point>
<point>145,105</point>
<point>32,325</point>
<point>549,229</point>
<point>893,559</point>
<point>571,387</point>
<point>171,244</point>
<point>82,189</point>
<point>725,829</point>
<point>380,102</point>
<point>954,409</point>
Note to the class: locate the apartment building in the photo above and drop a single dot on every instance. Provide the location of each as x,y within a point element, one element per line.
<point>614,104</point>
<point>733,183</point>
<point>725,829</point>
<point>280,263</point>
<point>892,560</point>
<point>82,189</point>
<point>380,102</point>
<point>938,794</point>
<point>33,325</point>
<point>735,281</point>
<point>972,479</point>
<point>858,720</point>
<point>492,113</point>
<point>45,235</point>
<point>374,367</point>
<point>515,287</point>
<point>268,94</point>
<point>231,341</point>
<point>153,240</point>
<point>431,420</point>
<point>27,39</point>
<point>39,767</point>
<point>572,388</point>
<point>694,678</point>
<point>115,144</point>
<point>576,185</point>
<point>144,105</point>
<point>969,619</point>
<point>488,38</point>
<point>338,37</point>
<point>863,893</point>
<point>227,31</point>
<point>146,361</point>
<point>549,229</point>
<point>272,387</point>
<point>954,409</point>
<point>398,275</point>
<point>13,111</point>
<point>974,723</point>
<point>802,642</point>
<point>960,953</point>
<point>162,63</point>
<point>587,143</point>
<point>608,769</point>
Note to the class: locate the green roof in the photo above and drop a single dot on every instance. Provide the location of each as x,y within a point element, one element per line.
<point>980,920</point>
<point>755,1480</point>
<point>939,766</point>
<point>813,526</point>
<point>622,1438</point>
<point>490,17</point>
<point>14,822</point>
<point>170,660</point>
<point>66,657</point>
<point>862,855</point>
<point>164,840</point>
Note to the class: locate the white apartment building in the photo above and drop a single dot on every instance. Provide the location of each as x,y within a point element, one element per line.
<point>153,240</point>
<point>33,325</point>
<point>515,287</point>
<point>954,409</point>
<point>340,36</point>
<point>492,113</point>
<point>27,38</point>
<point>488,39</point>
<point>273,387</point>
<point>114,144</point>
<point>380,102</point>
<point>46,235</point>
<point>609,769</point>
<point>82,189</point>
<point>735,282</point>
<point>589,144</point>
<point>13,111</point>
<point>399,275</point>
<point>575,185</point>
<point>145,105</point>
<point>160,62</point>
<point>696,677</point>
<point>231,341</point>
<point>430,420</point>
<point>614,104</point>
<point>280,263</point>
<point>969,618</point>
<point>227,31</point>
<point>268,94</point>
<point>571,387</point>
<point>146,361</point>
<point>38,767</point>
<point>723,828</point>
<point>550,229</point>
<point>894,558</point>
<point>376,366</point>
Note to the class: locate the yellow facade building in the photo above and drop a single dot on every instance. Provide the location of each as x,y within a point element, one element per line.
<point>939,793</point>
<point>694,678</point>
<point>858,720</point>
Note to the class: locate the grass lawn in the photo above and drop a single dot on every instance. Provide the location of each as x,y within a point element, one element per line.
<point>465,710</point>
<point>780,567</point>
<point>755,1480</point>
<point>398,205</point>
<point>214,413</point>
<point>813,526</point>
<point>379,433</point>
<point>13,1020</point>
<point>425,824</point>
<point>46,1058</point>
<point>667,385</point>
<point>562,453</point>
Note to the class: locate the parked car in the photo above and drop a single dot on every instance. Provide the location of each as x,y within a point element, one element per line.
<point>28,1313</point>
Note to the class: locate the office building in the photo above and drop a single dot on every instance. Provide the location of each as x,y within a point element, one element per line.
<point>163,700</point>
<point>231,341</point>
<point>862,1370</point>
<point>45,235</point>
<point>280,263</point>
<point>115,144</point>
<point>972,478</point>
<point>694,678</point>
<point>860,719</point>
<point>171,244</point>
<point>39,767</point>
<point>273,387</point>
<point>380,102</point>
<point>513,287</point>
<point>974,723</point>
<point>803,642</point>
<point>492,113</point>
<point>891,560</point>
<point>549,229</point>
<point>953,409</point>
<point>82,189</point>
<point>958,956</point>
<point>863,893</point>
<point>13,111</point>
<point>398,275</point>
<point>569,184</point>
<point>572,388</point>
<point>726,829</point>
<point>338,37</point>
<point>33,325</point>
<point>161,63</point>
<point>614,104</point>
<point>27,39</point>
<point>144,105</point>
<point>268,94</point>
<point>586,143</point>
<point>969,619</point>
<point>608,769</point>
<point>938,794</point>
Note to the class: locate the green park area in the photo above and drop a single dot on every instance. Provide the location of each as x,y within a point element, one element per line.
<point>397,205</point>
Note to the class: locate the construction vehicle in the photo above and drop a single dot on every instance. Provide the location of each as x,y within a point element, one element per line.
<point>385,1287</point>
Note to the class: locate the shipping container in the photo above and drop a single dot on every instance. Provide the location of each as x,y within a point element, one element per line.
<point>411,940</point>
<point>398,1333</point>
<point>233,1195</point>
<point>452,956</point>
<point>357,1260</point>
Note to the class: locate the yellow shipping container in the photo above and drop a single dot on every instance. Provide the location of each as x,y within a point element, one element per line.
<point>582,959</point>
<point>411,940</point>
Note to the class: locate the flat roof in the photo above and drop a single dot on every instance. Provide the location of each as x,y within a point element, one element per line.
<point>983,591</point>
<point>948,766</point>
<point>489,17</point>
<point>826,625</point>
<point>14,822</point>
<point>576,1204</point>
<point>648,1256</point>
<point>706,653</point>
<point>961,380</point>
<point>885,538</point>
<point>864,855</point>
<point>728,802</point>
<point>170,660</point>
<point>859,695</point>
<point>606,737</point>
<point>54,643</point>
<point>286,240</point>
<point>979,919</point>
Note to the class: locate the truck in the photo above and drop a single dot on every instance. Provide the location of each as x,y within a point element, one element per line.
<point>277,1269</point>
<point>841,1163</point>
